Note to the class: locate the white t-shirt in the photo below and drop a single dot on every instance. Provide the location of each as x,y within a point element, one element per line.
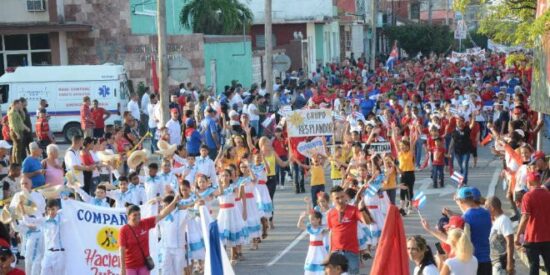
<point>151,111</point>
<point>72,158</point>
<point>145,99</point>
<point>251,111</point>
<point>133,108</point>
<point>501,228</point>
<point>428,270</point>
<point>521,178</point>
<point>236,100</point>
<point>462,268</point>
<point>174,129</point>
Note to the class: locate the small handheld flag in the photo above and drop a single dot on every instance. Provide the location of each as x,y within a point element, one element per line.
<point>372,190</point>
<point>419,200</point>
<point>457,177</point>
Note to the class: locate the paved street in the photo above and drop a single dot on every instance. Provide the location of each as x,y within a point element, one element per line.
<point>285,249</point>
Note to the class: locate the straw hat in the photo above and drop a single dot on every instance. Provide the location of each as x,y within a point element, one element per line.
<point>72,181</point>
<point>137,157</point>
<point>28,206</point>
<point>51,192</point>
<point>166,149</point>
<point>107,156</point>
<point>108,185</point>
<point>5,216</point>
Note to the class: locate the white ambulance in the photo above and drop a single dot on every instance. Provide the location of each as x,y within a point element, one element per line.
<point>64,87</point>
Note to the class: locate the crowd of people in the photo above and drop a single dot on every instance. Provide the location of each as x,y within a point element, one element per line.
<point>231,152</point>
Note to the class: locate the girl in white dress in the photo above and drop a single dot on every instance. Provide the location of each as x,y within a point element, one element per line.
<point>263,200</point>
<point>316,252</point>
<point>232,228</point>
<point>248,181</point>
<point>193,230</point>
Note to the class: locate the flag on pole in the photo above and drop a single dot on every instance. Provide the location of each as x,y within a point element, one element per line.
<point>154,76</point>
<point>486,140</point>
<point>391,254</point>
<point>419,200</point>
<point>457,177</point>
<point>372,190</point>
<point>216,261</point>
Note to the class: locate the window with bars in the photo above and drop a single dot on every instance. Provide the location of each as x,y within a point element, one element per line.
<point>36,5</point>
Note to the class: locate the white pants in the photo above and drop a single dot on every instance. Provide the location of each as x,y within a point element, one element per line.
<point>53,263</point>
<point>34,251</point>
<point>173,261</point>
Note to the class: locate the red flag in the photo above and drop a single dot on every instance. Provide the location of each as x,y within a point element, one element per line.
<point>391,257</point>
<point>154,76</point>
<point>486,140</point>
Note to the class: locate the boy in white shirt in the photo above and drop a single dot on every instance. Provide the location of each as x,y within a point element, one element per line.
<point>154,187</point>
<point>174,127</point>
<point>123,195</point>
<point>168,177</point>
<point>100,198</point>
<point>53,227</point>
<point>173,244</point>
<point>137,189</point>
<point>206,166</point>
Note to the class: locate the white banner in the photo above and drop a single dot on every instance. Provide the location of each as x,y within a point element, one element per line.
<point>380,147</point>
<point>312,147</point>
<point>91,241</point>
<point>307,123</point>
<point>502,48</point>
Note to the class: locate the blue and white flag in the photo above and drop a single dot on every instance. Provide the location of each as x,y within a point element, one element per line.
<point>216,261</point>
<point>419,200</point>
<point>372,190</point>
<point>457,177</point>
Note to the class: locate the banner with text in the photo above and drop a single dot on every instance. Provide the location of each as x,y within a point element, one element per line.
<point>380,147</point>
<point>307,123</point>
<point>312,147</point>
<point>92,238</point>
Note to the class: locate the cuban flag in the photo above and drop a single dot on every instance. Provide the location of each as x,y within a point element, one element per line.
<point>216,261</point>
<point>457,177</point>
<point>419,200</point>
<point>394,54</point>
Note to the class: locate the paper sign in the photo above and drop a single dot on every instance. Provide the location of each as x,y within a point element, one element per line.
<point>312,147</point>
<point>380,147</point>
<point>268,121</point>
<point>307,123</point>
<point>285,110</point>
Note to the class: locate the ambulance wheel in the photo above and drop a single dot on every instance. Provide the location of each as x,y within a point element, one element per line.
<point>70,130</point>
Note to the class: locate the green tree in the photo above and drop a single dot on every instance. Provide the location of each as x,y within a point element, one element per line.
<point>215,16</point>
<point>511,22</point>
<point>415,38</point>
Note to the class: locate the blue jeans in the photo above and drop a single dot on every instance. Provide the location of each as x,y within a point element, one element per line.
<point>298,175</point>
<point>463,162</point>
<point>256,125</point>
<point>437,173</point>
<point>447,145</point>
<point>418,152</point>
<point>153,139</point>
<point>281,172</point>
<point>353,261</point>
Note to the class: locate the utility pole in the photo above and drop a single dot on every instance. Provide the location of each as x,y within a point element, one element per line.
<point>374,19</point>
<point>162,62</point>
<point>268,49</point>
<point>430,12</point>
<point>447,12</point>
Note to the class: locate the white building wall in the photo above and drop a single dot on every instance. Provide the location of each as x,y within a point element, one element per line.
<point>15,11</point>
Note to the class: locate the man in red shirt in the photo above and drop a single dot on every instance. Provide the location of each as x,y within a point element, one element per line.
<point>86,121</point>
<point>43,133</point>
<point>280,145</point>
<point>342,222</point>
<point>99,115</point>
<point>134,238</point>
<point>535,223</point>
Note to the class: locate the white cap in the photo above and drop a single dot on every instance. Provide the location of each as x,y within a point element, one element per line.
<point>233,113</point>
<point>4,144</point>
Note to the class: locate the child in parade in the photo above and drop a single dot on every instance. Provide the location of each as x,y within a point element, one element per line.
<point>137,189</point>
<point>316,252</point>
<point>253,219</point>
<point>193,230</point>
<point>232,226</point>
<point>100,198</point>
<point>263,200</point>
<point>317,176</point>
<point>123,195</point>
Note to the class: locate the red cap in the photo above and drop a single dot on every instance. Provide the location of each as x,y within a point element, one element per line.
<point>533,176</point>
<point>538,155</point>
<point>455,222</point>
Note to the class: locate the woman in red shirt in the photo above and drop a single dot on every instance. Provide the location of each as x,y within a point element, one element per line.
<point>134,238</point>
<point>87,160</point>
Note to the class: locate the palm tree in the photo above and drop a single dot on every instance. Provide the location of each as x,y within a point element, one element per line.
<point>215,16</point>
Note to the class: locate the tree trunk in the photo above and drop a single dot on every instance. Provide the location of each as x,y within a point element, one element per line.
<point>164,91</point>
<point>268,49</point>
